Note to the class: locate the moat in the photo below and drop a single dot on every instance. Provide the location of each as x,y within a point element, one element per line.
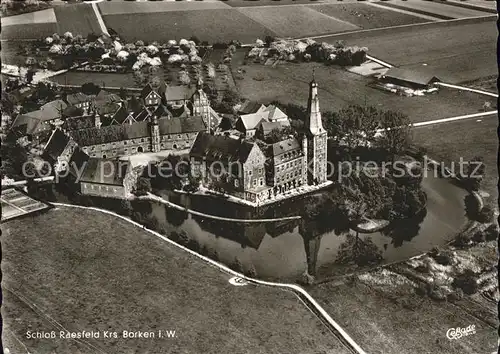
<point>285,250</point>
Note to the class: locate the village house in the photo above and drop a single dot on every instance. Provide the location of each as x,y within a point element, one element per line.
<point>285,166</point>
<point>408,78</point>
<point>108,178</point>
<point>79,100</point>
<point>248,124</point>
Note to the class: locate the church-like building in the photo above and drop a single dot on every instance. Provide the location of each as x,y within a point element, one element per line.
<point>261,172</point>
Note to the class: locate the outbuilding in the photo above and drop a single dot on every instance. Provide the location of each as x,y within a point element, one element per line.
<point>409,78</point>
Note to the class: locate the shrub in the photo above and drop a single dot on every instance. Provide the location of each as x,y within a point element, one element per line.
<point>491,233</point>
<point>306,279</point>
<point>457,295</point>
<point>174,236</point>
<point>237,265</point>
<point>485,215</point>
<point>252,272</point>
<point>183,238</point>
<point>462,240</point>
<point>437,292</point>
<point>421,289</point>
<point>467,282</point>
<point>444,258</point>
<point>479,237</point>
<point>194,245</point>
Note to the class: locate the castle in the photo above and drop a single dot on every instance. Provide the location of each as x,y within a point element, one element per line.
<point>261,173</point>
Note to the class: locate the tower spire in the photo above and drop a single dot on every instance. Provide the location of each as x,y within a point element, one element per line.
<point>313,121</point>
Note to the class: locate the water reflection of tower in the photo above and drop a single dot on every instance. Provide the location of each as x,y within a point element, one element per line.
<point>311,235</point>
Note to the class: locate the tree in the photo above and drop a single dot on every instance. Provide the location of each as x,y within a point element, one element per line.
<point>474,173</point>
<point>143,186</point>
<point>184,77</point>
<point>396,132</point>
<point>195,39</point>
<point>237,265</point>
<point>269,40</point>
<point>252,272</point>
<point>358,251</point>
<point>90,88</point>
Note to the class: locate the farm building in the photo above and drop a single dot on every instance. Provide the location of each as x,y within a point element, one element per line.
<point>408,78</point>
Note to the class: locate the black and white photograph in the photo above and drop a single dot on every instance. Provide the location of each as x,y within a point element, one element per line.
<point>249,177</point>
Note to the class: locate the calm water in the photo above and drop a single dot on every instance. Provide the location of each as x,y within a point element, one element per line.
<point>286,249</point>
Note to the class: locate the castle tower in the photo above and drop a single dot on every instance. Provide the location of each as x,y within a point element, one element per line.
<point>201,104</point>
<point>155,134</point>
<point>316,137</point>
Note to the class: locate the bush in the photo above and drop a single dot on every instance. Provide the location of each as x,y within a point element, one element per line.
<point>174,236</point>
<point>491,233</point>
<point>437,292</point>
<point>306,279</point>
<point>467,282</point>
<point>237,265</point>
<point>252,272</point>
<point>462,240</point>
<point>421,289</point>
<point>485,215</point>
<point>457,295</point>
<point>444,258</point>
<point>479,237</point>
<point>183,238</point>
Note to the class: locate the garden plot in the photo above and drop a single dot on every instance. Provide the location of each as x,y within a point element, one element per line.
<point>366,16</point>
<point>296,21</point>
<point>221,25</point>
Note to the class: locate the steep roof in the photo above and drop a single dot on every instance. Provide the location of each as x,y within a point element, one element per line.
<point>410,76</point>
<point>55,146</point>
<point>177,93</point>
<point>267,127</point>
<point>146,91</point>
<point>52,109</point>
<point>105,171</point>
<point>111,133</point>
<point>251,121</point>
<point>220,148</point>
<point>284,146</point>
<point>78,161</point>
<point>249,107</point>
<point>274,113</point>
<point>77,123</point>
<point>181,125</point>
<point>78,97</point>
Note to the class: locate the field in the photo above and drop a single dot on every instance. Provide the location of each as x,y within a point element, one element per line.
<point>109,275</point>
<point>441,9</point>
<point>296,21</point>
<point>32,31</point>
<point>220,25</point>
<point>366,16</point>
<point>77,19</point>
<point>391,319</point>
<point>454,51</point>
<point>449,142</point>
<point>288,83</point>
<point>114,8</point>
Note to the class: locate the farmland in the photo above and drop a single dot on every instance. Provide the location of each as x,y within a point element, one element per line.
<point>208,25</point>
<point>454,51</point>
<point>114,276</point>
<point>114,8</point>
<point>449,142</point>
<point>77,19</point>
<point>366,16</point>
<point>440,9</point>
<point>296,21</point>
<point>390,318</point>
<point>288,83</point>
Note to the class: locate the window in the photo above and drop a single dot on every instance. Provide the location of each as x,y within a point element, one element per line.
<point>254,182</point>
<point>140,149</point>
<point>249,172</point>
<point>236,183</point>
<point>179,136</point>
<point>125,142</point>
<point>260,170</point>
<point>261,182</point>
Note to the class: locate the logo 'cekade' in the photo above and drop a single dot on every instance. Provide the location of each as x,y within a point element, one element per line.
<point>457,333</point>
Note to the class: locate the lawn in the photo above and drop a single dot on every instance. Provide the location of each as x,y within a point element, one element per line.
<point>366,16</point>
<point>454,51</point>
<point>87,270</point>
<point>337,88</point>
<point>391,319</point>
<point>296,21</point>
<point>77,19</point>
<point>431,8</point>
<point>220,25</point>
<point>449,142</point>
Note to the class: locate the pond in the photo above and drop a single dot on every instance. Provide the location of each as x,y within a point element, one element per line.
<point>285,250</point>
